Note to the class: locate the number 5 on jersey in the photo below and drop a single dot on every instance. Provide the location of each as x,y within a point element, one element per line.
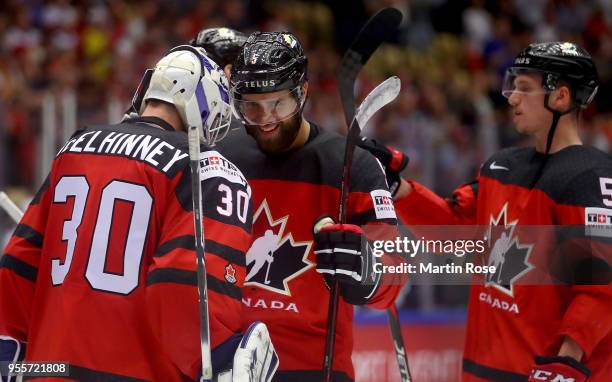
<point>606,190</point>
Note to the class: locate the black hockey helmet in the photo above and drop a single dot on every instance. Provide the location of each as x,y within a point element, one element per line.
<point>221,44</point>
<point>557,61</point>
<point>268,62</point>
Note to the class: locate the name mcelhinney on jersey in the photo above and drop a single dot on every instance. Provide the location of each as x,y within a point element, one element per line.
<point>153,151</point>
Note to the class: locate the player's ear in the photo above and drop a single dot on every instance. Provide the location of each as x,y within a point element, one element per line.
<point>228,70</point>
<point>563,97</point>
<point>305,88</point>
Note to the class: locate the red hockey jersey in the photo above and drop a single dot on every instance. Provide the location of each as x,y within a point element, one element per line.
<point>101,270</point>
<point>509,323</point>
<point>282,287</point>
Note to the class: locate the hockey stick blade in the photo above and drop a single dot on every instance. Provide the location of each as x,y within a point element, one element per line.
<point>377,30</point>
<point>10,207</point>
<point>196,191</point>
<point>382,95</point>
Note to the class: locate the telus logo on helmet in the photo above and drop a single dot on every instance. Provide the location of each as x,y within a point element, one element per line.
<point>522,60</point>
<point>259,84</point>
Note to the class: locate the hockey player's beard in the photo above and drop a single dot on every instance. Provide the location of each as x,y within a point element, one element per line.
<point>279,141</point>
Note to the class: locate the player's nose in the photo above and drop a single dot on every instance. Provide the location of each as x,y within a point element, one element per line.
<point>514,99</point>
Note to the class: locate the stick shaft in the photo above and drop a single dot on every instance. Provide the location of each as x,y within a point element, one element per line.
<point>10,207</point>
<point>334,298</point>
<point>398,344</point>
<point>196,190</point>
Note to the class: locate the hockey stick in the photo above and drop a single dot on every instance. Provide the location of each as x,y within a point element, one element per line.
<point>382,25</point>
<point>10,207</point>
<point>267,280</point>
<point>384,93</point>
<point>377,29</point>
<point>196,191</point>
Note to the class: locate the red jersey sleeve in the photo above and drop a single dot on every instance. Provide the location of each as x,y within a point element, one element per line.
<point>19,267</point>
<point>586,214</point>
<point>371,205</point>
<point>424,207</point>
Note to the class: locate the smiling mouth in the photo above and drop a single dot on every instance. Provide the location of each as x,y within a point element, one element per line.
<point>268,129</point>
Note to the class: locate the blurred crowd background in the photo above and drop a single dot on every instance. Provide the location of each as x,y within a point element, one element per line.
<point>450,56</point>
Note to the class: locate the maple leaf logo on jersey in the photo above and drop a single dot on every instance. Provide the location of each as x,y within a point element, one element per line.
<point>230,274</point>
<point>274,258</point>
<point>507,254</point>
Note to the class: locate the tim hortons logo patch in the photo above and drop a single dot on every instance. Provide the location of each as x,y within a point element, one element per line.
<point>383,204</point>
<point>598,221</point>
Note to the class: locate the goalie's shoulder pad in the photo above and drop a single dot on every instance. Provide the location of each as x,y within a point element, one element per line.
<point>214,164</point>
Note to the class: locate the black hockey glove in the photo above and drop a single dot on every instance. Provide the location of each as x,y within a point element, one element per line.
<point>394,161</point>
<point>550,369</point>
<point>342,253</point>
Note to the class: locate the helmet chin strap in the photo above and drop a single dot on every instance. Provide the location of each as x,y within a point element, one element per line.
<point>551,134</point>
<point>555,121</point>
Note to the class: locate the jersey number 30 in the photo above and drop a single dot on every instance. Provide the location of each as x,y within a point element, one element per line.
<point>606,190</point>
<point>139,197</point>
<point>242,203</point>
